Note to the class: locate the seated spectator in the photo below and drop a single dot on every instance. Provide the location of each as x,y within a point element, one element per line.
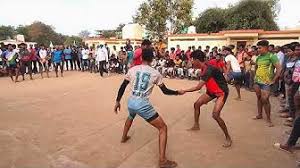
<point>178,67</point>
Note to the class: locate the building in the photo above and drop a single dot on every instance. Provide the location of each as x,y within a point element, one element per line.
<point>95,41</point>
<point>234,37</point>
<point>132,32</point>
<point>18,40</point>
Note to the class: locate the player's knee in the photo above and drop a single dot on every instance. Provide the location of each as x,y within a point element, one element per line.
<point>264,100</point>
<point>215,115</point>
<point>198,104</point>
<point>163,127</point>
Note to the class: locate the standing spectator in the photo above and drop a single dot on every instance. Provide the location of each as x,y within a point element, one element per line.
<point>173,54</point>
<point>129,58</point>
<point>102,58</point>
<point>75,58</point>
<point>34,58</point>
<point>58,60</point>
<point>290,86</point>
<point>92,60</point>
<point>68,57</point>
<point>178,50</point>
<point>11,58</point>
<point>265,78</point>
<point>85,59</point>
<point>253,54</point>
<point>188,53</point>
<point>114,53</point>
<point>123,59</point>
<point>279,85</point>
<point>233,71</point>
<point>44,61</point>
<point>218,62</point>
<point>25,61</point>
<point>137,59</point>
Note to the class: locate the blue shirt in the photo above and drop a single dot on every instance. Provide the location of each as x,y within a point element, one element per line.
<point>129,56</point>
<point>57,56</point>
<point>67,53</point>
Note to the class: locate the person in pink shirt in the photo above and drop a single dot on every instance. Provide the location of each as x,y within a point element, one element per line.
<point>173,54</point>
<point>188,53</point>
<point>178,50</point>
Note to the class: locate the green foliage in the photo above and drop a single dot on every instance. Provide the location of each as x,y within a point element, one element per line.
<point>6,32</point>
<point>211,20</point>
<point>155,14</point>
<point>38,32</point>
<point>246,14</point>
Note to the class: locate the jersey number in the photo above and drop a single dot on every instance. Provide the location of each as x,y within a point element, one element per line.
<point>142,81</point>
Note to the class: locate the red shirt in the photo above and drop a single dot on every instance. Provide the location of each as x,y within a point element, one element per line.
<point>178,51</point>
<point>214,81</point>
<point>137,58</point>
<point>33,56</point>
<point>188,54</point>
<point>217,64</point>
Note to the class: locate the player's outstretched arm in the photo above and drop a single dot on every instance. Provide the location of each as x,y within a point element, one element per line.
<point>120,94</point>
<point>167,91</point>
<point>196,88</point>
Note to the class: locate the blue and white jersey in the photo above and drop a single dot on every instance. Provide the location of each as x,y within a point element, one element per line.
<point>142,80</point>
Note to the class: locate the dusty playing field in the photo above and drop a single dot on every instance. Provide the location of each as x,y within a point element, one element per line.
<point>69,123</point>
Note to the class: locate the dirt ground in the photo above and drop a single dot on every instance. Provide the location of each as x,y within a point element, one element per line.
<point>69,123</point>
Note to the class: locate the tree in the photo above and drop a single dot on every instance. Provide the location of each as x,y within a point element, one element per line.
<point>7,32</point>
<point>246,14</point>
<point>252,14</point>
<point>43,34</point>
<point>71,39</point>
<point>155,14</point>
<point>84,34</point>
<point>180,14</point>
<point>106,33</point>
<point>211,20</point>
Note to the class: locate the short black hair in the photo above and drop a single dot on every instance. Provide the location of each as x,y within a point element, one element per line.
<point>264,43</point>
<point>198,55</point>
<point>147,54</point>
<point>172,49</point>
<point>272,45</point>
<point>228,49</point>
<point>146,42</point>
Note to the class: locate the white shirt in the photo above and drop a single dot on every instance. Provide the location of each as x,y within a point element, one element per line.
<point>0,55</point>
<point>85,54</point>
<point>142,80</point>
<point>162,62</point>
<point>280,57</point>
<point>102,54</point>
<point>114,52</point>
<point>43,53</point>
<point>235,66</point>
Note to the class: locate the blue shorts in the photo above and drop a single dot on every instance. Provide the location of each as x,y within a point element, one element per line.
<point>237,77</point>
<point>264,86</point>
<point>142,107</point>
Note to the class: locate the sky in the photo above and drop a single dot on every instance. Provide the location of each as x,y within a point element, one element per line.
<point>72,16</point>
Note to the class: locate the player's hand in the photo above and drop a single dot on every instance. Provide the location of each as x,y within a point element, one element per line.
<point>117,107</point>
<point>181,92</point>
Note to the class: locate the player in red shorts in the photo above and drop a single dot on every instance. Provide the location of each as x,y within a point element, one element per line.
<point>216,88</point>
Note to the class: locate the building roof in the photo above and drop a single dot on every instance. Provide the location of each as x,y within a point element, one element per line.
<point>221,33</point>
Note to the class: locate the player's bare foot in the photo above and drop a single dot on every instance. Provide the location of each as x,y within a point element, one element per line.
<point>194,128</point>
<point>238,99</point>
<point>167,164</point>
<point>227,143</point>
<point>124,140</point>
<point>270,124</point>
<point>258,117</point>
